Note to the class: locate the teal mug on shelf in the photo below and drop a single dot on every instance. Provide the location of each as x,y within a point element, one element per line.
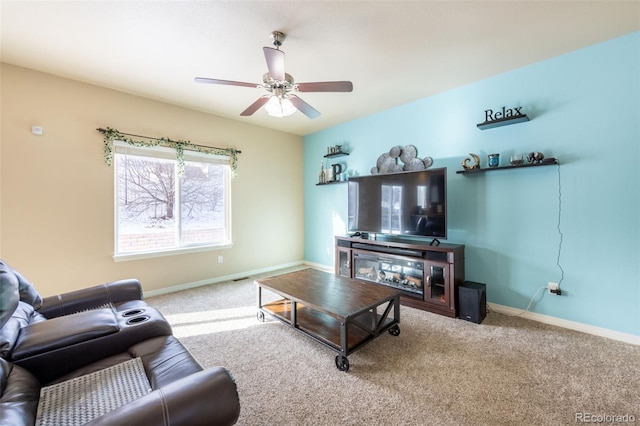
<point>494,160</point>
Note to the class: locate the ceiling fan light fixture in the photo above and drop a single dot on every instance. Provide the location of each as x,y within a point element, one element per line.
<point>279,107</point>
<point>281,100</point>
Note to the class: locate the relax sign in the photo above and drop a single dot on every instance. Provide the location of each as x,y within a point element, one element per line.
<point>502,117</point>
<point>489,115</point>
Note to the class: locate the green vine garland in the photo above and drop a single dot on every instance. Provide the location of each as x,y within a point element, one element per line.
<point>111,135</point>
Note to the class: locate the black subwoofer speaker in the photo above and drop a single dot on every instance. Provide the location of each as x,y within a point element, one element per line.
<point>472,301</point>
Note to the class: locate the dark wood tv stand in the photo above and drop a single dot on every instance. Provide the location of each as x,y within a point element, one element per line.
<point>427,275</point>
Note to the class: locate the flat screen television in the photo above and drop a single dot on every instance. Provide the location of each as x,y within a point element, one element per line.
<point>402,204</point>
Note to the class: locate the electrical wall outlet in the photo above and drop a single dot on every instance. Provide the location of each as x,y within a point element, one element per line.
<point>552,287</point>
<point>220,259</point>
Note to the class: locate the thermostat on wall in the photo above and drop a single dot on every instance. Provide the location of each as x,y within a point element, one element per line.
<point>36,130</point>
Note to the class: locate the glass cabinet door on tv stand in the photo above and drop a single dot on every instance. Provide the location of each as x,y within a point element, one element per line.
<point>437,277</point>
<point>343,262</point>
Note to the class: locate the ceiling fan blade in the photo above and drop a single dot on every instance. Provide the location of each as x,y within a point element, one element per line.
<point>275,62</point>
<point>224,82</point>
<point>326,86</point>
<point>255,106</point>
<point>304,107</point>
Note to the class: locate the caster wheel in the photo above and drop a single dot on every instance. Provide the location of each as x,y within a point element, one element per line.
<point>395,330</point>
<point>260,316</point>
<point>342,363</point>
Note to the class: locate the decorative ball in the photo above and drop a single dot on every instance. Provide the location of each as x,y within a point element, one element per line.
<point>387,166</point>
<point>413,165</point>
<point>381,159</point>
<point>408,153</point>
<point>395,151</point>
<point>395,168</point>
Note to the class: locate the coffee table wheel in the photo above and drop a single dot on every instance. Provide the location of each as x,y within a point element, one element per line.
<point>260,316</point>
<point>342,363</point>
<point>395,330</point>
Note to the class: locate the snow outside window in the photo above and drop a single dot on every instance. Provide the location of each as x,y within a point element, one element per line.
<point>158,212</point>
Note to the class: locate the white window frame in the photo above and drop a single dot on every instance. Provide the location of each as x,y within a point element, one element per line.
<point>120,147</point>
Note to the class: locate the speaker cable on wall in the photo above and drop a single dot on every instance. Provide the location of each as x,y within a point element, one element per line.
<point>561,235</point>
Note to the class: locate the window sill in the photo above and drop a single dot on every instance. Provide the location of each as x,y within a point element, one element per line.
<point>169,252</point>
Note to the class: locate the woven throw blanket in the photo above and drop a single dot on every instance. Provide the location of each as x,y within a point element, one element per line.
<point>104,305</point>
<point>80,400</point>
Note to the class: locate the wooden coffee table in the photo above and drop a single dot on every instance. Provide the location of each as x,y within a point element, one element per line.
<point>341,313</point>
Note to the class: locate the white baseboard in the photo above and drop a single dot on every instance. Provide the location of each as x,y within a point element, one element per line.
<point>572,325</point>
<point>219,279</point>
<point>319,266</point>
<point>507,310</point>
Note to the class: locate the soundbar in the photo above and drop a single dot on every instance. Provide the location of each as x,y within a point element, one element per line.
<point>389,250</point>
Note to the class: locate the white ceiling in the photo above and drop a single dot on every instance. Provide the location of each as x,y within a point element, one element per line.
<point>394,52</point>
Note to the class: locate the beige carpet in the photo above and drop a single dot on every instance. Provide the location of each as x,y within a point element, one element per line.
<point>439,371</point>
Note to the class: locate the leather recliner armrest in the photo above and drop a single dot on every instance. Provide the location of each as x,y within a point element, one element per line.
<point>91,297</point>
<point>208,397</point>
<point>47,336</point>
<point>89,337</point>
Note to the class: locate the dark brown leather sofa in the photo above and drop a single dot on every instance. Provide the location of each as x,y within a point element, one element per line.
<point>50,341</point>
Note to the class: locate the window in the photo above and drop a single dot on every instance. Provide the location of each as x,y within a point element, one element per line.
<point>391,209</point>
<point>157,211</point>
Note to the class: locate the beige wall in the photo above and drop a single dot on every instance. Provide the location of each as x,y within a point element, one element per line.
<point>56,202</point>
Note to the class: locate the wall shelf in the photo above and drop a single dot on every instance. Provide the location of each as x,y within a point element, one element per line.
<point>503,122</point>
<point>336,154</point>
<point>333,155</point>
<point>546,162</point>
<point>331,183</point>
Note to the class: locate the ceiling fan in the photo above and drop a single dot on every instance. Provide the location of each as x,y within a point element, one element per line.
<point>281,99</point>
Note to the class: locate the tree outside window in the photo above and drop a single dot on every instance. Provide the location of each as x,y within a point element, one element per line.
<point>157,210</point>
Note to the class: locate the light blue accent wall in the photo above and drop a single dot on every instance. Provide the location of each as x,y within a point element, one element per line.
<point>517,225</point>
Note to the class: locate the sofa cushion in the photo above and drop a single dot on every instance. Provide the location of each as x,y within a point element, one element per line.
<point>9,333</point>
<point>28,292</point>
<point>165,360</point>
<point>9,293</point>
<point>19,395</point>
<point>14,288</point>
